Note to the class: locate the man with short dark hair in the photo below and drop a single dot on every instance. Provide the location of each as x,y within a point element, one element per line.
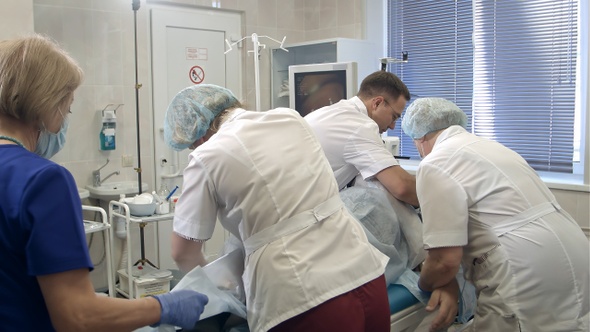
<point>349,132</point>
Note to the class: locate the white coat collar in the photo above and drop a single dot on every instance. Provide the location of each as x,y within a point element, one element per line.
<point>449,132</point>
<point>233,115</point>
<point>359,105</point>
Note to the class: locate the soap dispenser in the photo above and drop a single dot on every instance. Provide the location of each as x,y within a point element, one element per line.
<point>107,132</point>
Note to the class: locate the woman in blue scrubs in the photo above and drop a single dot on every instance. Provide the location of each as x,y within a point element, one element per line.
<point>44,261</point>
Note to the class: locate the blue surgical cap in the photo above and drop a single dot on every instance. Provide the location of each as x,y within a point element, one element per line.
<point>426,115</point>
<point>191,112</point>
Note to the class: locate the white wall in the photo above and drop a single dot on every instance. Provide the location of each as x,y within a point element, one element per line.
<point>16,21</point>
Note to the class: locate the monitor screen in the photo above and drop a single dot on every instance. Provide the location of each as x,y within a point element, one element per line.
<point>318,85</point>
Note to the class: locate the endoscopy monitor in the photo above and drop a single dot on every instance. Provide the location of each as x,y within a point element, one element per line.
<point>314,86</point>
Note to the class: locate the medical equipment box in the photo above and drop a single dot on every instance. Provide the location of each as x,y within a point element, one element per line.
<point>144,286</point>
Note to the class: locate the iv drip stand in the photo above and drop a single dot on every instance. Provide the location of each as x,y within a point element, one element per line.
<point>142,258</point>
<point>135,6</point>
<point>257,46</point>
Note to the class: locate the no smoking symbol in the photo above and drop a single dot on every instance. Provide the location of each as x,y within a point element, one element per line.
<point>196,74</point>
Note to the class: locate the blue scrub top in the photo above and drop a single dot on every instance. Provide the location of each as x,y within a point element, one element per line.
<point>41,232</point>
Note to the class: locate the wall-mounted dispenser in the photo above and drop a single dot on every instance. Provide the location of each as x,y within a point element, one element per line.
<point>109,124</point>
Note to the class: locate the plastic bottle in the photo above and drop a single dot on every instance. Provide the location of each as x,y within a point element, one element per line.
<point>164,206</point>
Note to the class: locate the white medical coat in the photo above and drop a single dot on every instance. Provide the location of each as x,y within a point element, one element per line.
<point>265,167</point>
<point>350,140</point>
<point>527,258</point>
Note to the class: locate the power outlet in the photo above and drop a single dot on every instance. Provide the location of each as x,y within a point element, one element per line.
<point>127,160</point>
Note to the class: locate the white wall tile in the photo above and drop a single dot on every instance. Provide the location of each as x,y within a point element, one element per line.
<point>346,15</point>
<point>117,6</point>
<point>289,17</point>
<point>347,31</point>
<point>328,10</point>
<point>48,21</point>
<point>84,126</point>
<point>229,4</point>
<point>49,2</point>
<point>293,36</point>
<point>108,48</point>
<point>326,33</point>
<point>359,11</point>
<point>250,8</point>
<point>20,21</point>
<point>311,15</point>
<point>267,13</point>
<point>359,31</point>
<point>86,4</point>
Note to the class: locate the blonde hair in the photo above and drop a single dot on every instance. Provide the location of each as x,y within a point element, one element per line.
<point>37,78</point>
<point>221,117</point>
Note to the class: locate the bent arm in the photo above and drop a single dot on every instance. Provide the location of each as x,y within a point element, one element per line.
<point>187,253</point>
<point>440,267</point>
<point>399,183</point>
<point>73,305</point>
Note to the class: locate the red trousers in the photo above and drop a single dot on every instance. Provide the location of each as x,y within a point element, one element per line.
<point>365,308</point>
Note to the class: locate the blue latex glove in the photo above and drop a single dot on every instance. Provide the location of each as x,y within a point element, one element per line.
<point>181,308</point>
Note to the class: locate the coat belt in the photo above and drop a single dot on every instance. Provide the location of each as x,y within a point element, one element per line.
<point>293,224</point>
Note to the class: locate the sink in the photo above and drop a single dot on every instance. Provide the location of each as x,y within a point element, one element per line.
<point>84,193</point>
<point>112,190</point>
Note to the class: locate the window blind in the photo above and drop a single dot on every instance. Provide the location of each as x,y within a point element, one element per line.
<point>437,37</point>
<point>524,78</point>
<point>510,65</point>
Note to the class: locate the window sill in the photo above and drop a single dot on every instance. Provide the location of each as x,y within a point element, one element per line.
<point>572,182</point>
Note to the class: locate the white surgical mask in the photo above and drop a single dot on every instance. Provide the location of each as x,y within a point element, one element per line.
<point>50,143</point>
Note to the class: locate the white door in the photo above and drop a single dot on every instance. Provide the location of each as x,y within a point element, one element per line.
<point>188,48</point>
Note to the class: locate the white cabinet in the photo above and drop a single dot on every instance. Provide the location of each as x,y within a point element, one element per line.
<point>363,52</point>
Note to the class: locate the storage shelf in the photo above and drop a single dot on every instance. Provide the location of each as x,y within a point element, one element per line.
<point>121,210</point>
<point>94,226</point>
<point>122,292</point>
<point>104,226</point>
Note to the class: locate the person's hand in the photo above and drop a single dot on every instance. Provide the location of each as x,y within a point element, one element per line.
<point>181,308</point>
<point>446,299</point>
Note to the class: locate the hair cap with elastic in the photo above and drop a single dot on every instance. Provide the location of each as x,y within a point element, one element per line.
<point>191,112</point>
<point>429,114</point>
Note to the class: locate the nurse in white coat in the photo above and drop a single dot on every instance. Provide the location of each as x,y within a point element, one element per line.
<point>265,177</point>
<point>483,205</point>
